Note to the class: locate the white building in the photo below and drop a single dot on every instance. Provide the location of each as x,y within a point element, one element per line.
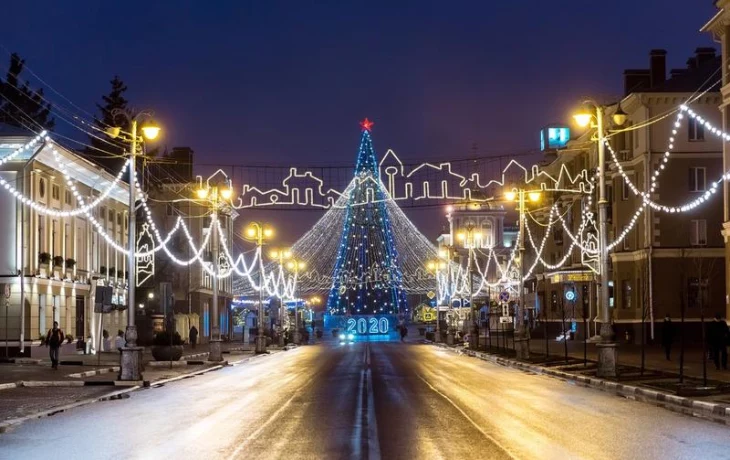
<point>61,258</point>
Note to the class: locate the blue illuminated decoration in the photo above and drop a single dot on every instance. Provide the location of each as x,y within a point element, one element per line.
<point>570,295</point>
<point>367,278</point>
<point>368,325</point>
<point>554,137</point>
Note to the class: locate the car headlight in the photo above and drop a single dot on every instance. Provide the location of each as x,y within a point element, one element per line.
<point>342,336</point>
<point>350,336</point>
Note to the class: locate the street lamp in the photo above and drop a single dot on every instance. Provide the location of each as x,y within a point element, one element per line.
<point>522,196</point>
<point>590,112</point>
<point>217,197</point>
<point>295,266</point>
<point>281,255</point>
<point>130,364</point>
<point>258,233</point>
<point>471,238</point>
<point>436,266</point>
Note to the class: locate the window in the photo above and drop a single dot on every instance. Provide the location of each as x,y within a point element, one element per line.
<point>625,191</point>
<point>68,197</point>
<point>698,232</point>
<point>625,294</point>
<point>170,208</point>
<point>111,215</point>
<point>56,192</point>
<point>626,244</point>
<point>102,212</point>
<point>697,292</point>
<point>697,179</point>
<point>42,188</point>
<point>696,130</point>
<point>119,219</point>
<point>558,236</point>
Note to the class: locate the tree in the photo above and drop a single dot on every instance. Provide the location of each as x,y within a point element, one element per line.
<point>367,277</point>
<point>107,152</point>
<point>20,105</point>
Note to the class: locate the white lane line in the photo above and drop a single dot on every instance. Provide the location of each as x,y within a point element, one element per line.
<point>356,439</point>
<point>466,416</point>
<point>373,442</point>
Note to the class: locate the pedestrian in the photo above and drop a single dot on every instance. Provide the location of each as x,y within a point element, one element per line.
<point>106,342</point>
<point>54,339</point>
<point>403,332</point>
<point>724,337</point>
<point>667,336</point>
<point>119,341</point>
<point>717,332</point>
<point>193,336</point>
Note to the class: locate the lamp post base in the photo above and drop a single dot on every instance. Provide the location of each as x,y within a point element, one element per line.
<point>282,341</point>
<point>522,347</point>
<point>607,353</point>
<point>297,337</point>
<point>437,336</point>
<point>474,338</point>
<point>130,364</point>
<point>260,344</point>
<point>214,350</point>
<point>449,338</point>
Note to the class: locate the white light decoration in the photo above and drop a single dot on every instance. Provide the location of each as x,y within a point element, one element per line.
<point>306,189</point>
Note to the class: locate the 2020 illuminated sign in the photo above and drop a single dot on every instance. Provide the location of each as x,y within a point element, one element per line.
<point>368,325</point>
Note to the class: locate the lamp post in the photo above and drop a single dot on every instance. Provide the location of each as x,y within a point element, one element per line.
<point>436,266</point>
<point>281,255</point>
<point>130,365</point>
<point>258,233</point>
<point>593,114</point>
<point>522,338</point>
<point>217,198</point>
<point>471,237</point>
<point>295,266</point>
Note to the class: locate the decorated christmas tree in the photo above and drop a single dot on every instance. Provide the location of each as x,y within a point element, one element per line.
<point>366,278</point>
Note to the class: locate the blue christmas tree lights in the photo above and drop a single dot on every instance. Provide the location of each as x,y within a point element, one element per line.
<point>367,278</point>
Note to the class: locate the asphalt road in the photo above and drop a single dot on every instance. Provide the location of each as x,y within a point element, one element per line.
<point>368,400</point>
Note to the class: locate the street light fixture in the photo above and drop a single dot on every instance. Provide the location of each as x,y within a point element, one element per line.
<point>607,346</point>
<point>258,233</point>
<point>217,197</point>
<point>521,196</point>
<point>130,364</point>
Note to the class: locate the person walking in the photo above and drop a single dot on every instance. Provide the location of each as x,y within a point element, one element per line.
<point>667,336</point>
<point>403,332</point>
<point>119,341</point>
<point>193,336</point>
<point>717,332</point>
<point>723,339</point>
<point>54,339</point>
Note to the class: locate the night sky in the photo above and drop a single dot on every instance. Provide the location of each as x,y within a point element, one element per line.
<point>242,81</point>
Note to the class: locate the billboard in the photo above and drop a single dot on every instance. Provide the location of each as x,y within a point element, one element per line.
<point>554,137</point>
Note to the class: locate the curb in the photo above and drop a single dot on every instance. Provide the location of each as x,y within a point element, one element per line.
<point>716,412</point>
<point>7,386</point>
<point>193,356</point>
<point>184,363</point>
<point>79,375</point>
<point>6,425</point>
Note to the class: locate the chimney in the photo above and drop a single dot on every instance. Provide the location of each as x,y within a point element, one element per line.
<point>658,67</point>
<point>703,55</point>
<point>636,80</point>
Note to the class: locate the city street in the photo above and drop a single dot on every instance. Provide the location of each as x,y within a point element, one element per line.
<point>368,400</point>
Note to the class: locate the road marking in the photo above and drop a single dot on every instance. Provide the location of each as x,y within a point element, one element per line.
<point>365,443</point>
<point>466,416</point>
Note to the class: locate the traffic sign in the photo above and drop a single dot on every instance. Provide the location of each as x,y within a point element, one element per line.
<point>504,296</point>
<point>430,294</point>
<point>505,319</point>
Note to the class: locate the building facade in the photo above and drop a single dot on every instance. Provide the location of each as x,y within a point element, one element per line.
<point>171,188</point>
<point>60,259</point>
<point>719,28</point>
<point>666,263</point>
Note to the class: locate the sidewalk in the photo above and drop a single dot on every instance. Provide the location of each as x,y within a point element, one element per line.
<point>31,390</point>
<point>630,355</point>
